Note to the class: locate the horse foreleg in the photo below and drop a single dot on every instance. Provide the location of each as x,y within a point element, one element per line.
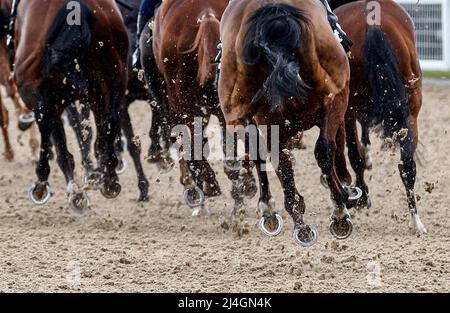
<point>4,123</point>
<point>294,203</point>
<point>108,132</point>
<point>366,147</point>
<point>134,147</point>
<point>25,116</point>
<point>34,142</point>
<point>40,192</point>
<point>340,161</point>
<point>77,198</point>
<point>211,186</point>
<point>83,132</point>
<point>357,160</point>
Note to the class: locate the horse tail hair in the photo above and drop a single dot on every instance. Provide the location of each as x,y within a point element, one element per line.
<point>273,38</point>
<point>68,41</point>
<point>389,95</point>
<point>205,45</point>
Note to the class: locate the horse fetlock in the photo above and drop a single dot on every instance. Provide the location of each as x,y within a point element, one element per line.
<point>416,225</point>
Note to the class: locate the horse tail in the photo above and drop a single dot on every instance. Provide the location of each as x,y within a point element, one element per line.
<point>4,21</point>
<point>389,94</point>
<point>273,38</point>
<point>68,41</point>
<point>205,45</point>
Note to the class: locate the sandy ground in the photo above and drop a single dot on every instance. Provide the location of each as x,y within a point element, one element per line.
<point>122,245</point>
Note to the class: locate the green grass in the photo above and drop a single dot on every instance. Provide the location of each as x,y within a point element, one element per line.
<point>437,74</point>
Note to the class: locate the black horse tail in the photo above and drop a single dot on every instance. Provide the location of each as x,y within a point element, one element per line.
<point>273,38</point>
<point>389,94</point>
<point>4,21</point>
<point>68,41</point>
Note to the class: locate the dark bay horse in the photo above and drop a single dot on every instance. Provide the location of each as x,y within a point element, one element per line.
<point>137,90</point>
<point>282,65</point>
<point>386,89</point>
<point>68,51</point>
<point>184,47</point>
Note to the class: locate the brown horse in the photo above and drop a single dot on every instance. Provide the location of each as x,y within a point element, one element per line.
<point>68,51</point>
<point>283,66</point>
<point>184,47</point>
<point>24,116</point>
<point>386,88</point>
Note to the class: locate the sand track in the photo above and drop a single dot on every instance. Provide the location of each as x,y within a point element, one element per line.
<point>122,245</point>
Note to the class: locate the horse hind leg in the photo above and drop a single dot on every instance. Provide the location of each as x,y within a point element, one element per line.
<point>341,225</point>
<point>239,172</point>
<point>408,172</point>
<point>304,235</point>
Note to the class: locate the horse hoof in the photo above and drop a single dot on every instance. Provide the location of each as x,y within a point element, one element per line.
<point>40,194</point>
<point>324,180</point>
<point>111,191</point>
<point>93,180</point>
<point>79,202</point>
<point>354,193</point>
<point>341,230</point>
<point>122,166</point>
<point>25,121</point>
<point>271,226</point>
<point>306,236</point>
<point>194,197</point>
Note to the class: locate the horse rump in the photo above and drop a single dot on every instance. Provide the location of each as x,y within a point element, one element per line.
<point>273,39</point>
<point>68,42</point>
<point>389,95</point>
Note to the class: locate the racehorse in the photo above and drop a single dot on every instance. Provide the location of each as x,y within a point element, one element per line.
<point>137,91</point>
<point>24,116</point>
<point>184,48</point>
<point>282,65</point>
<point>386,90</point>
<point>78,51</point>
